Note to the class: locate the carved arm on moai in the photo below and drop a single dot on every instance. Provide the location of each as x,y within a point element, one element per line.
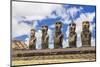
<point>86,34</point>
<point>72,38</point>
<point>58,38</point>
<point>45,37</point>
<point>32,40</point>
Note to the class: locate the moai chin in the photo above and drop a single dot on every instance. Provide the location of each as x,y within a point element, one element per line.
<point>58,38</point>
<point>72,38</point>
<point>86,34</point>
<point>45,37</point>
<point>32,40</point>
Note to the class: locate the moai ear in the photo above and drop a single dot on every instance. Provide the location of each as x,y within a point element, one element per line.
<point>70,24</point>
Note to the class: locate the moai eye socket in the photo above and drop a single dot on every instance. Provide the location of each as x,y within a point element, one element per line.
<point>56,22</point>
<point>59,23</point>
<point>72,24</point>
<point>42,26</point>
<point>45,26</point>
<point>69,24</point>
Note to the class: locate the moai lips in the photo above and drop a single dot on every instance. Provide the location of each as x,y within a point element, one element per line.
<point>32,40</point>
<point>72,35</point>
<point>58,38</point>
<point>45,37</point>
<point>86,34</point>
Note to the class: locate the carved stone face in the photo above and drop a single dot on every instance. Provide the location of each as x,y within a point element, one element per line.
<point>32,33</point>
<point>85,26</point>
<point>72,27</point>
<point>58,26</point>
<point>44,28</point>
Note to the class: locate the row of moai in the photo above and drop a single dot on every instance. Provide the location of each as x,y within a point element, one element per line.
<point>58,38</point>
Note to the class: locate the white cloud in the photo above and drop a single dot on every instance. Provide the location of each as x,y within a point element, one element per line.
<point>38,39</point>
<point>90,16</point>
<point>36,11</point>
<point>67,13</point>
<point>22,28</point>
<point>27,41</point>
<point>19,29</point>
<point>73,10</point>
<point>51,38</point>
<point>93,42</point>
<point>35,23</point>
<point>65,43</point>
<point>52,26</point>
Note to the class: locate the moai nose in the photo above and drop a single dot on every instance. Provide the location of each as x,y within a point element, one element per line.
<point>71,28</point>
<point>57,27</point>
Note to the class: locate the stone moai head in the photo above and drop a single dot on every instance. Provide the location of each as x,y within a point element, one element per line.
<point>58,26</point>
<point>44,29</point>
<point>85,26</point>
<point>72,27</point>
<point>32,32</point>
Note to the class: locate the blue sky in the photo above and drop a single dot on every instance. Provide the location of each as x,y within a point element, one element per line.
<point>28,15</point>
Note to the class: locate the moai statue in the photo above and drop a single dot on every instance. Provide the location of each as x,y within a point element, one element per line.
<point>58,38</point>
<point>86,34</point>
<point>72,38</point>
<point>45,37</point>
<point>32,40</point>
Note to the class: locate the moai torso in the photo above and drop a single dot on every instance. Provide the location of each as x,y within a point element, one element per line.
<point>86,34</point>
<point>72,38</point>
<point>86,38</point>
<point>32,40</point>
<point>58,38</point>
<point>45,37</point>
